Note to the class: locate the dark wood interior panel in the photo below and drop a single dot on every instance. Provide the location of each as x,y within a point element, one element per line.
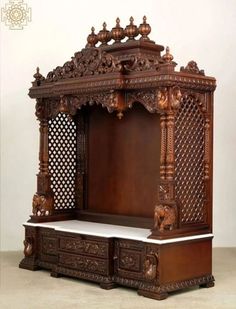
<point>123,162</point>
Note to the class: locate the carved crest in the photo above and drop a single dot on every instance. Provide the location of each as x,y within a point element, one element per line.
<point>89,61</point>
<point>192,68</point>
<point>138,64</point>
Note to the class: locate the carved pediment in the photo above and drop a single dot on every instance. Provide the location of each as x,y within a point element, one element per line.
<point>192,68</point>
<point>90,61</point>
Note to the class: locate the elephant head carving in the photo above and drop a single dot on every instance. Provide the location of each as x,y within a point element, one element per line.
<point>42,205</point>
<point>164,217</point>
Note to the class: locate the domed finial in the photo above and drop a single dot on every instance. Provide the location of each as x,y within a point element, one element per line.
<point>117,33</point>
<point>167,57</point>
<point>92,38</point>
<point>38,77</point>
<point>104,35</point>
<point>131,31</point>
<point>144,30</point>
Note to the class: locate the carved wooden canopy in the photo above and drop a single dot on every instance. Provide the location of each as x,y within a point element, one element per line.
<point>117,75</point>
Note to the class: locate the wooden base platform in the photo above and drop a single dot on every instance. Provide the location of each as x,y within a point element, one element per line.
<point>116,255</point>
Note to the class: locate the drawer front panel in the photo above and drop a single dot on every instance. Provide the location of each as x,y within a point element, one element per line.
<point>84,263</point>
<point>48,246</point>
<point>129,259</point>
<point>84,246</point>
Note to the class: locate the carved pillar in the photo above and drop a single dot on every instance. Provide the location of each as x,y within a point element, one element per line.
<point>43,199</point>
<point>163,146</point>
<point>43,177</point>
<point>166,210</point>
<point>170,146</point>
<point>81,161</point>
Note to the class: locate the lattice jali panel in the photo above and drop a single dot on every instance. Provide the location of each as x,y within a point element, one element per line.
<point>189,162</point>
<point>62,160</point>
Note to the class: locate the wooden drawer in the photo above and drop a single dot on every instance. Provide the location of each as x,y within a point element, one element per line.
<point>80,244</point>
<point>48,245</point>
<point>84,263</point>
<point>129,259</point>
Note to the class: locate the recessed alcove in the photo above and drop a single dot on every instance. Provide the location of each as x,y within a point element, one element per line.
<point>122,177</point>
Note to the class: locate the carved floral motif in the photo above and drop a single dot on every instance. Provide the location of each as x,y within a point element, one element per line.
<point>89,61</point>
<point>130,260</point>
<point>165,191</point>
<point>84,246</point>
<point>141,63</point>
<point>80,262</point>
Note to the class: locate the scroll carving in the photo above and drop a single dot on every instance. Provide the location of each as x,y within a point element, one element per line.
<point>80,262</point>
<point>84,247</point>
<point>150,264</point>
<point>138,64</point>
<point>154,100</point>
<point>28,246</point>
<point>89,61</point>
<point>176,97</point>
<point>162,99</point>
<point>164,217</point>
<point>192,68</point>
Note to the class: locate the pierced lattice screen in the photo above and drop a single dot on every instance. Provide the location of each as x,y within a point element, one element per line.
<point>189,158</point>
<point>62,160</point>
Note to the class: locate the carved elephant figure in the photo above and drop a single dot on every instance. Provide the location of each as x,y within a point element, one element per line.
<point>164,217</point>
<point>42,205</point>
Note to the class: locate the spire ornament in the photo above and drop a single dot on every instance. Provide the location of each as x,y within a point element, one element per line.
<point>117,33</point>
<point>131,31</point>
<point>38,78</point>
<point>104,35</point>
<point>167,57</point>
<point>144,30</point>
<point>92,38</point>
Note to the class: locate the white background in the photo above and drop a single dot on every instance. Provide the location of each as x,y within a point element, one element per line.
<point>203,30</point>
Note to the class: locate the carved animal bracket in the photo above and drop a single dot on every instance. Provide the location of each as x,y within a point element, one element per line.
<point>164,217</point>
<point>42,205</point>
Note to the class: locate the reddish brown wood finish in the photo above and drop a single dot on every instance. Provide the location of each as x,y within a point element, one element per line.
<point>142,157</point>
<point>120,162</point>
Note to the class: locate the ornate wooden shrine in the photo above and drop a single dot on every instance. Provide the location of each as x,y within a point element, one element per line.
<point>124,189</point>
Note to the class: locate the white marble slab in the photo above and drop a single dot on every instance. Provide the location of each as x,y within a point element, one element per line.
<point>110,230</point>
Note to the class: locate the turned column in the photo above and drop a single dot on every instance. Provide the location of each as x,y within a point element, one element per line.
<point>43,199</point>
<point>169,100</point>
<point>43,184</point>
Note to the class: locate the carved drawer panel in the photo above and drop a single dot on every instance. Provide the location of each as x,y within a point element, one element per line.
<point>84,263</point>
<point>129,259</point>
<point>48,246</point>
<point>84,246</point>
